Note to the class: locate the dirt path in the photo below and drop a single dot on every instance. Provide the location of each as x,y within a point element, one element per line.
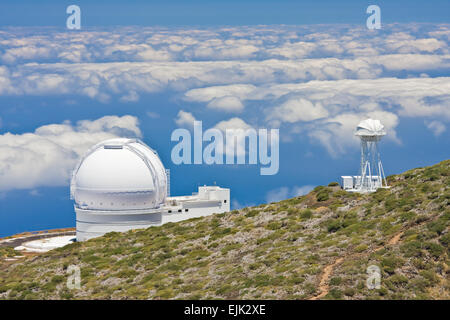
<point>395,239</point>
<point>324,279</point>
<point>324,286</point>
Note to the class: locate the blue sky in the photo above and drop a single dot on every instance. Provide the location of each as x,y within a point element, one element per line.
<point>311,69</point>
<point>207,12</point>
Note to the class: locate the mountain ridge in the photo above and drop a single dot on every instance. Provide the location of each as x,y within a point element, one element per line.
<point>316,246</point>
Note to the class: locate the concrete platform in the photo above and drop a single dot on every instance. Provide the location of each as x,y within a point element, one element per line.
<point>47,244</point>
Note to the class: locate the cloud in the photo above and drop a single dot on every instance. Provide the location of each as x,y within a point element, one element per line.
<point>238,128</point>
<point>277,194</point>
<point>185,119</point>
<point>132,96</point>
<point>227,103</point>
<point>411,62</point>
<point>213,44</point>
<point>328,111</point>
<point>35,193</point>
<point>235,205</point>
<point>414,45</point>
<point>152,115</point>
<point>47,156</point>
<point>298,109</point>
<point>222,98</point>
<point>283,193</point>
<point>214,92</point>
<point>436,127</point>
<point>301,191</point>
<point>125,63</point>
<point>313,80</point>
<point>232,124</point>
<point>25,53</point>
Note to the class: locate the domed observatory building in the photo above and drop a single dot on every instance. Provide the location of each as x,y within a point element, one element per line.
<point>121,184</point>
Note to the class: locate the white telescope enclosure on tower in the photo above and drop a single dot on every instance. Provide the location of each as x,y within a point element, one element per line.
<point>370,129</point>
<point>371,173</point>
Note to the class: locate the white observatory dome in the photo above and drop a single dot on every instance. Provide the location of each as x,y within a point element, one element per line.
<point>370,128</point>
<point>119,174</point>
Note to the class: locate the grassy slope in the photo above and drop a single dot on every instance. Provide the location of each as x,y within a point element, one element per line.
<point>278,250</point>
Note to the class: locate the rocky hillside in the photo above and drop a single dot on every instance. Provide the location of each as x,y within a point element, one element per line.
<point>317,246</point>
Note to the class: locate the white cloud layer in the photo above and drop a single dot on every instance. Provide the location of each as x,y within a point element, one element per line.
<point>47,156</point>
<point>128,62</point>
<point>317,81</point>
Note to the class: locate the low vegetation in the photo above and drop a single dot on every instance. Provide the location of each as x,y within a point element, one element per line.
<point>272,251</point>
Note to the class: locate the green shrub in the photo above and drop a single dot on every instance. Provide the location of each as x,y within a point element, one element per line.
<point>435,249</point>
<point>230,247</point>
<point>165,293</point>
<point>430,276</point>
<point>57,279</point>
<point>407,216</point>
<point>8,252</point>
<point>361,248</point>
<point>127,273</point>
<point>333,184</point>
<point>335,293</point>
<point>322,196</point>
<point>219,233</point>
<point>398,279</point>
<point>306,214</point>
<point>412,248</point>
<point>437,226</point>
<point>252,213</point>
<point>334,225</point>
<point>212,245</point>
<point>445,240</point>
<point>198,254</point>
<point>295,280</point>
<point>341,193</point>
<point>350,292</point>
<point>312,259</point>
<point>65,294</point>
<point>389,264</point>
<point>390,204</point>
<point>335,281</point>
<point>318,189</point>
<point>261,280</point>
<point>224,289</point>
<point>383,291</point>
<point>273,225</point>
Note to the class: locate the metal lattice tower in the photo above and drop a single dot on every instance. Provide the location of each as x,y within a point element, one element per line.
<point>372,174</point>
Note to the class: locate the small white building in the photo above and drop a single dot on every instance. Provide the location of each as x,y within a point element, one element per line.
<point>121,184</point>
<point>347,182</point>
<point>353,183</point>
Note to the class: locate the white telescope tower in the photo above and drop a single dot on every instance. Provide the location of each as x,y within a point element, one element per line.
<point>372,176</point>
